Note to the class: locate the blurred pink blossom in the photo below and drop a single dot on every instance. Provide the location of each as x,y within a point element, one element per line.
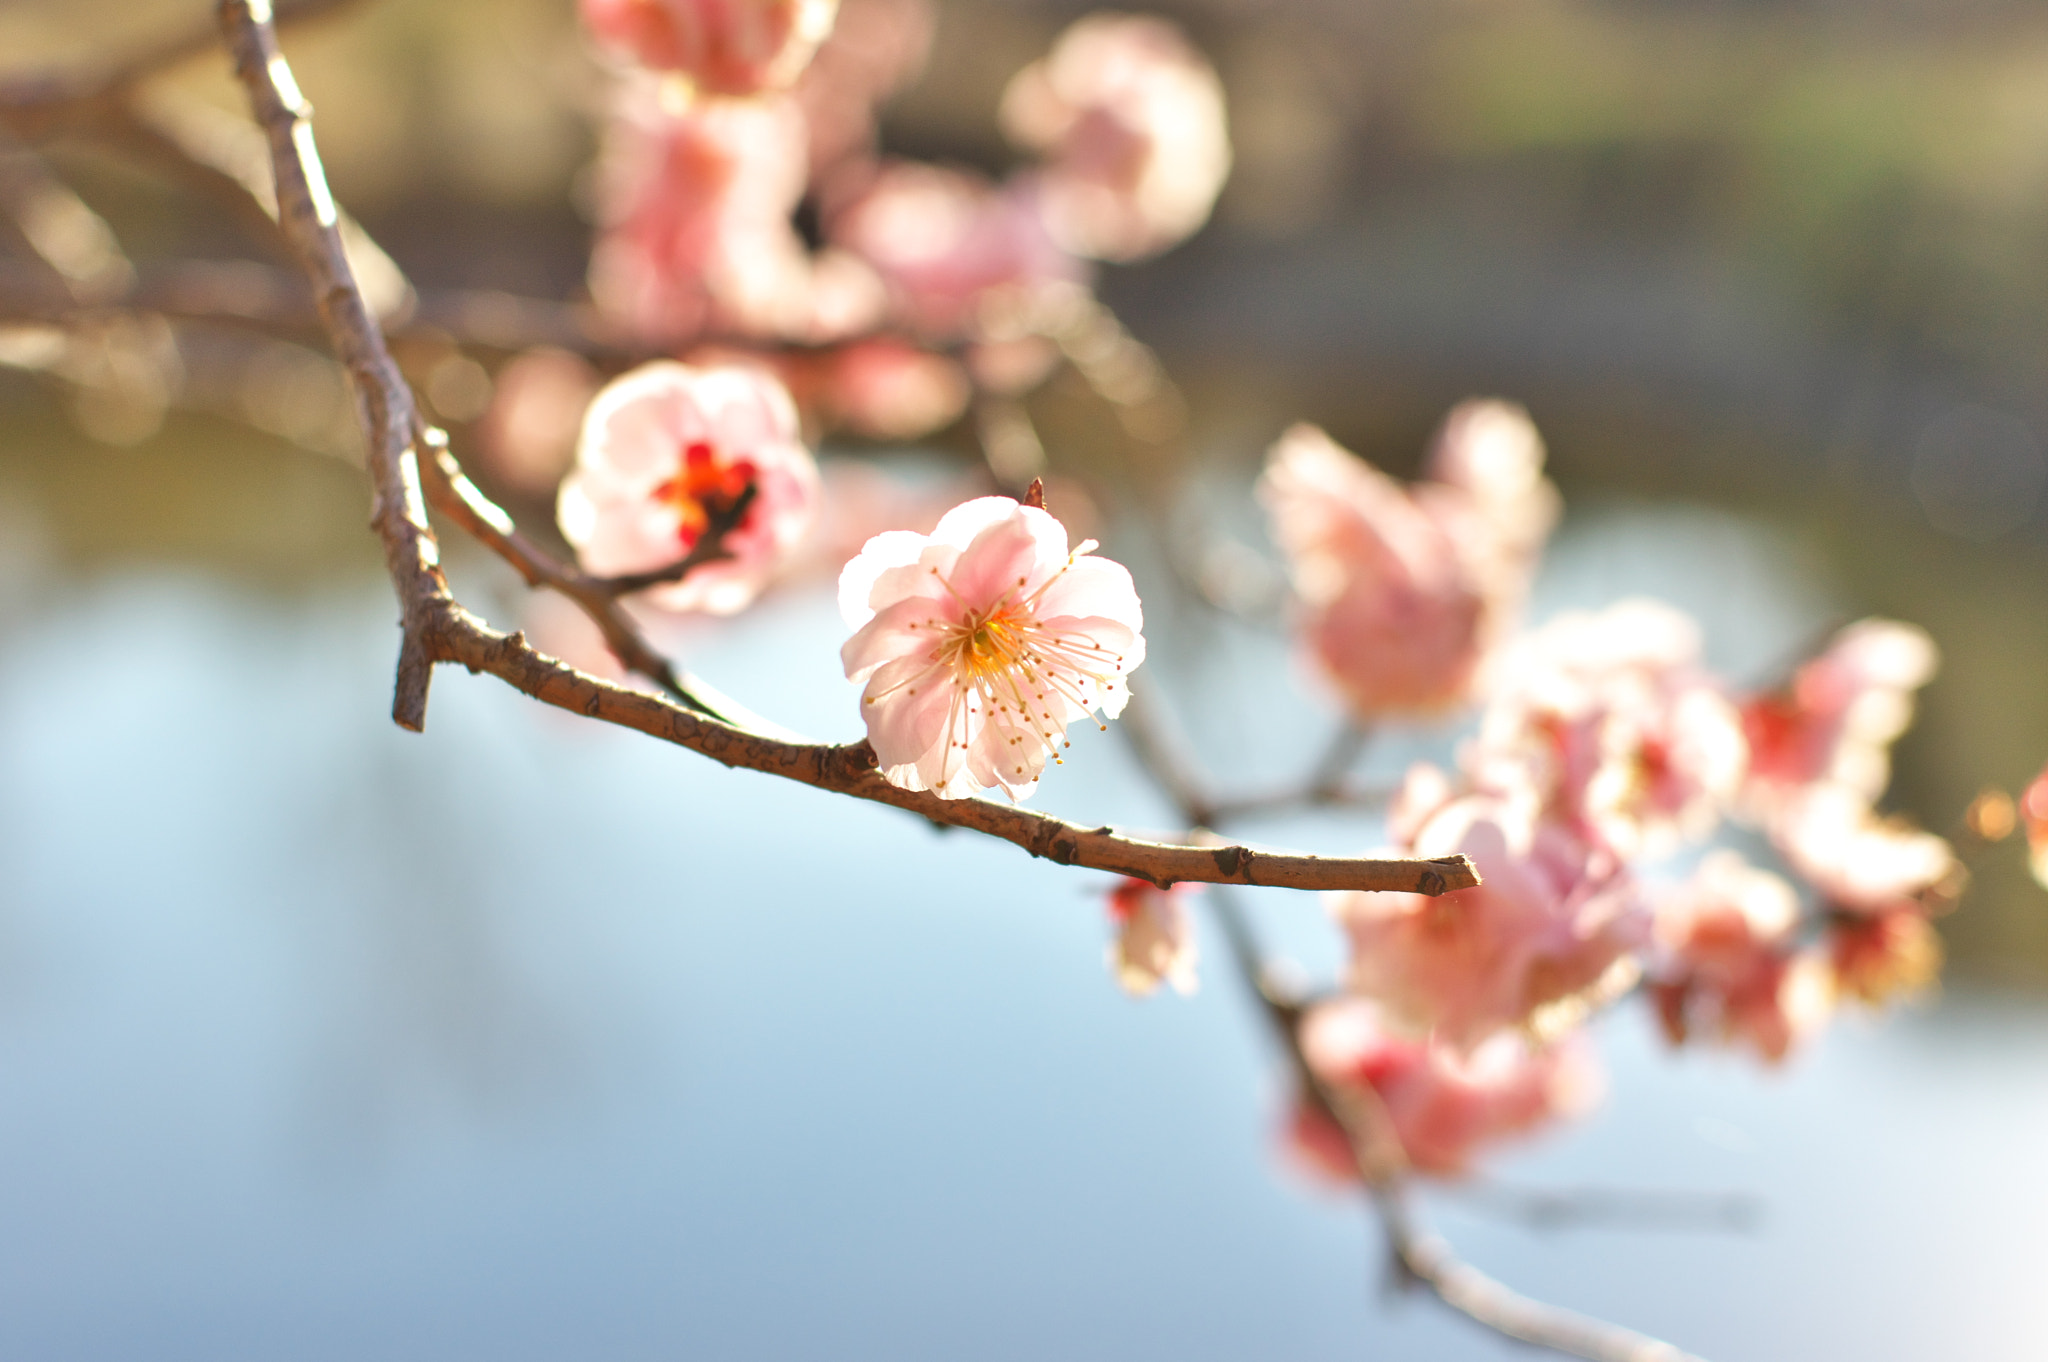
<point>981,642</point>
<point>667,446</point>
<point>695,197</point>
<point>1618,726</point>
<point>884,389</point>
<point>1485,478</point>
<point>1393,611</point>
<point>942,239</point>
<point>1860,862</point>
<point>1408,592</point>
<point>1549,933</point>
<point>1155,940</point>
<point>1877,957</point>
<point>1837,718</point>
<point>1727,965</point>
<point>1129,117</point>
<point>876,48</point>
<point>1445,1107</point>
<point>2033,811</point>
<point>527,436</point>
<point>725,47</point>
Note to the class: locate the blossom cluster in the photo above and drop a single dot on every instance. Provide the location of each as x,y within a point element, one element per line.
<point>726,119</point>
<point>727,116</point>
<point>1605,757</point>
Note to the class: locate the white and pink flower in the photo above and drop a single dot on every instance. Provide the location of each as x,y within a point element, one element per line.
<point>725,47</point>
<point>664,450</point>
<point>1549,934</point>
<point>979,643</point>
<point>1445,1107</point>
<point>1130,119</point>
<point>1155,937</point>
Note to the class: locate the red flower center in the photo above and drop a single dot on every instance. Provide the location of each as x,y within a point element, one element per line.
<point>706,485</point>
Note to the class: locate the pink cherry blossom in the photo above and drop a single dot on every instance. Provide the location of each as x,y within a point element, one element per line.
<point>667,446</point>
<point>695,197</point>
<point>726,47</point>
<point>1837,718</point>
<point>1618,726</point>
<point>694,203</point>
<point>1550,933</point>
<point>1445,1107</point>
<point>944,239</point>
<point>981,642</point>
<point>1860,862</point>
<point>1393,613</point>
<point>876,48</point>
<point>1155,940</point>
<point>1727,963</point>
<point>1130,118</point>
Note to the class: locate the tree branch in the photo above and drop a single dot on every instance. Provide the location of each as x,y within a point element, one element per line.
<point>438,629</point>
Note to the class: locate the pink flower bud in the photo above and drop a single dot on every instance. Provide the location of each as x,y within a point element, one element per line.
<point>981,642</point>
<point>726,47</point>
<point>1155,940</point>
<point>665,450</point>
<point>1130,119</point>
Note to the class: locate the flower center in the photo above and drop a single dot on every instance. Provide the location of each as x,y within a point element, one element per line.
<point>705,485</point>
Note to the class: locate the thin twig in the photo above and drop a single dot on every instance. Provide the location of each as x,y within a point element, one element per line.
<point>436,628</point>
<point>1555,1208</point>
<point>719,523</point>
<point>1347,745</point>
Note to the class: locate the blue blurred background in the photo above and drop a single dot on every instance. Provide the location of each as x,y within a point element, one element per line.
<point>527,1040</point>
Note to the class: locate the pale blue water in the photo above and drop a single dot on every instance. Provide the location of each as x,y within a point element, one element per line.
<point>527,1040</point>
